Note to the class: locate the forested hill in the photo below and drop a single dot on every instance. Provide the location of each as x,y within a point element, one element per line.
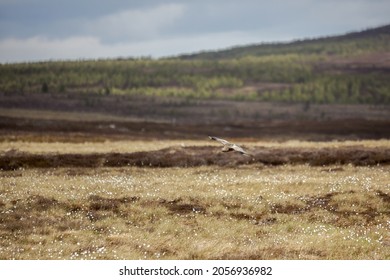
<point>349,69</point>
<point>373,39</point>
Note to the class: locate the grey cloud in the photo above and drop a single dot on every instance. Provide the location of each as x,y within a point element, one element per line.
<point>160,27</point>
<point>134,24</point>
<point>24,18</point>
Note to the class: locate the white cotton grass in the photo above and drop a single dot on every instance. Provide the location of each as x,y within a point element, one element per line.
<point>282,212</point>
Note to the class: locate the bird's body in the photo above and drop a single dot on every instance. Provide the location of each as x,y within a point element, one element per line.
<point>228,147</point>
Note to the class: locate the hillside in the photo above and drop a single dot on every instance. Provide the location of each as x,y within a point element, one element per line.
<point>330,78</point>
<point>369,40</point>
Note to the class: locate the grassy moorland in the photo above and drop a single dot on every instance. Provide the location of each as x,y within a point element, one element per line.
<point>292,200</point>
<point>246,212</point>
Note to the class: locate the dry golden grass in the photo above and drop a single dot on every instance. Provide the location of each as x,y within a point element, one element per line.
<point>130,146</point>
<point>246,212</point>
<point>96,147</point>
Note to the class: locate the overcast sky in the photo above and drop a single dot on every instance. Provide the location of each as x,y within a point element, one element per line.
<point>32,30</point>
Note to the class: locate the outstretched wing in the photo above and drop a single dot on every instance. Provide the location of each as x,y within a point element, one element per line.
<point>240,150</point>
<point>222,141</point>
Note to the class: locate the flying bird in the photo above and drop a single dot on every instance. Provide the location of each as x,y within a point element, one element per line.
<point>228,147</point>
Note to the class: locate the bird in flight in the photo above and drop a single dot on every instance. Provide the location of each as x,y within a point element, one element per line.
<point>228,147</point>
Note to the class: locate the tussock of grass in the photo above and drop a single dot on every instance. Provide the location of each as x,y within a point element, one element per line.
<point>249,212</point>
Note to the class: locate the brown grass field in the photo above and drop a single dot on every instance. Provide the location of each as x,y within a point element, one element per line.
<point>247,212</point>
<point>86,192</point>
